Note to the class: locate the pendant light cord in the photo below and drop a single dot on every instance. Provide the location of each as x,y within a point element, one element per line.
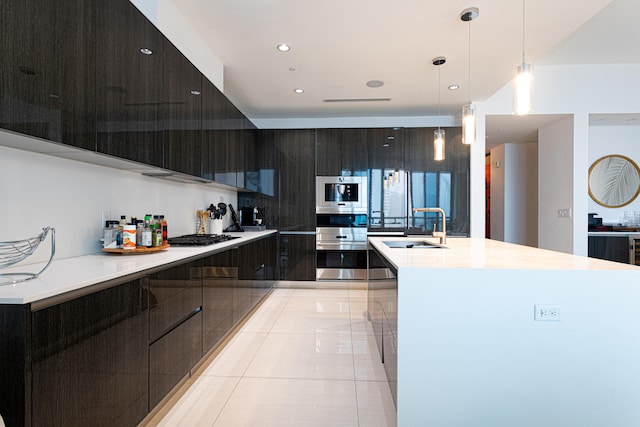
<point>523,24</point>
<point>439,96</point>
<point>469,62</point>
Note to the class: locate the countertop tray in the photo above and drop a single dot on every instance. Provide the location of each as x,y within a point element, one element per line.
<point>136,251</point>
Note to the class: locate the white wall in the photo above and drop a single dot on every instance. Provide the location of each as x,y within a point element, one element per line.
<point>555,183</point>
<point>514,193</point>
<point>498,182</point>
<point>572,89</point>
<point>605,140</point>
<point>39,190</point>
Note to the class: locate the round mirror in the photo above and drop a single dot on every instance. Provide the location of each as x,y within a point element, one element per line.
<point>614,181</point>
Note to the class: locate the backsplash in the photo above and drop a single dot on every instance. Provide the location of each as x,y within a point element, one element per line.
<point>38,190</point>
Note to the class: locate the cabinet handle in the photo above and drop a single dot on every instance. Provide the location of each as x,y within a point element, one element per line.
<point>341,237</point>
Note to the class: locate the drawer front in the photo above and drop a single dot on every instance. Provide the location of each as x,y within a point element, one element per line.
<point>174,295</point>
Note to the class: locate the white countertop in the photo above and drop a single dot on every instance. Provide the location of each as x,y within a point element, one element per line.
<point>70,274</point>
<point>488,254</point>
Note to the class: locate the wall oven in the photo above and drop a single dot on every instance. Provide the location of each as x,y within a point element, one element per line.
<point>341,228</point>
<point>346,194</point>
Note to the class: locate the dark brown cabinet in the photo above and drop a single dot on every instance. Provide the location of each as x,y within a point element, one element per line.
<point>341,152</point>
<point>219,278</point>
<point>438,183</point>
<point>47,71</point>
<point>387,199</point>
<point>182,102</point>
<point>382,306</point>
<point>611,248</point>
<point>224,138</point>
<point>175,326</point>
<point>296,152</point>
<point>89,359</point>
<point>297,254</point>
<point>129,107</point>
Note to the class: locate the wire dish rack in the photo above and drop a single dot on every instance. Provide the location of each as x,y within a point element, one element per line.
<point>13,252</point>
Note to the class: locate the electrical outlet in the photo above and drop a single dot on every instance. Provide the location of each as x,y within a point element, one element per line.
<point>547,312</point>
<point>564,213</point>
<point>104,216</point>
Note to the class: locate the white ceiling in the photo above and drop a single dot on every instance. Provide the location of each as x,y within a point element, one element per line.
<point>339,45</point>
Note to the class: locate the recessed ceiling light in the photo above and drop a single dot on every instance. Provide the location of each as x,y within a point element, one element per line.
<point>298,90</point>
<point>195,92</point>
<point>146,51</point>
<point>283,47</point>
<point>375,83</point>
<point>454,87</point>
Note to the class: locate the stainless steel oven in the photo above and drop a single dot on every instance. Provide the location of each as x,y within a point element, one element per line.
<point>341,246</point>
<point>345,194</point>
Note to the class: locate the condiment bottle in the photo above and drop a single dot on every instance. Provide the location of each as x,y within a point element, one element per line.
<point>146,234</point>
<point>165,233</point>
<point>139,231</point>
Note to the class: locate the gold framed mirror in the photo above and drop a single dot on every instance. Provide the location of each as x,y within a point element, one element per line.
<point>614,181</point>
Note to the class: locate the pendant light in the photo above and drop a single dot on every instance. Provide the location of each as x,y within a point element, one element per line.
<point>469,110</point>
<point>438,134</point>
<point>523,84</point>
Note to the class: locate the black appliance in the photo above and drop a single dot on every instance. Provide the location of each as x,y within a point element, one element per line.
<point>234,218</point>
<point>249,216</point>
<point>199,239</point>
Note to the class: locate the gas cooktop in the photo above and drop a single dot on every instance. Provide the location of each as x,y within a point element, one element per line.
<point>200,239</point>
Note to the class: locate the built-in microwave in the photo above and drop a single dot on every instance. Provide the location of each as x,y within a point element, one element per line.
<point>341,194</point>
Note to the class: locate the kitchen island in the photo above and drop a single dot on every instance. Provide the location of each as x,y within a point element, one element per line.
<point>495,334</point>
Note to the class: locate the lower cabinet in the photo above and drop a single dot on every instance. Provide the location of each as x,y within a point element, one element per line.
<point>89,359</point>
<point>172,357</point>
<point>175,326</point>
<point>109,357</point>
<point>612,248</point>
<point>298,256</point>
<point>382,306</point>
<point>219,278</point>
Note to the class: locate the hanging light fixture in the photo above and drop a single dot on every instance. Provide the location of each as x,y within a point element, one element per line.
<point>469,110</point>
<point>523,84</point>
<point>438,134</point>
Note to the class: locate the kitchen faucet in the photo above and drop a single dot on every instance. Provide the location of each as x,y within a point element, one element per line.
<point>441,234</point>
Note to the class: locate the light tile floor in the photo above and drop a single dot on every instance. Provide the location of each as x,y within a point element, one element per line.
<point>307,357</point>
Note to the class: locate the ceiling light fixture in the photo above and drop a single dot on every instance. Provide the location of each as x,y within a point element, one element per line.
<point>283,47</point>
<point>454,87</point>
<point>469,110</point>
<point>146,51</point>
<point>438,134</point>
<point>298,90</point>
<point>523,84</point>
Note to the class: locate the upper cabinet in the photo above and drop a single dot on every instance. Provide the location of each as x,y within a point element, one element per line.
<point>224,133</point>
<point>341,152</point>
<point>182,103</point>
<point>47,70</point>
<point>129,84</point>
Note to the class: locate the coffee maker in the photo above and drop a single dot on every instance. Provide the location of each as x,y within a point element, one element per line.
<point>249,216</point>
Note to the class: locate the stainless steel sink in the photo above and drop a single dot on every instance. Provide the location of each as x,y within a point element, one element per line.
<point>413,244</point>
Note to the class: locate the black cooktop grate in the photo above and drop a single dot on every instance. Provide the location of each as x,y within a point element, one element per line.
<point>200,239</point>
